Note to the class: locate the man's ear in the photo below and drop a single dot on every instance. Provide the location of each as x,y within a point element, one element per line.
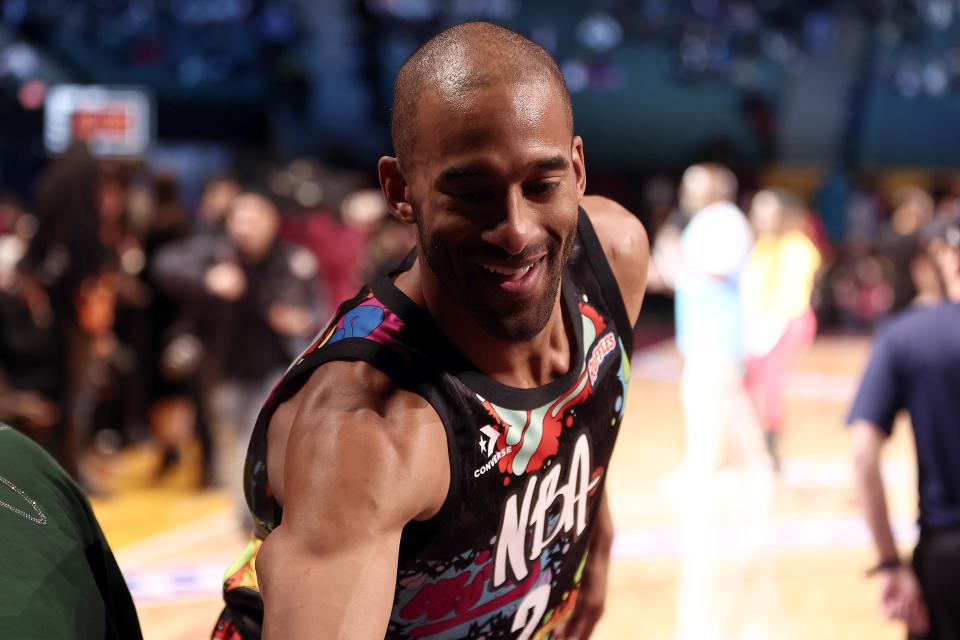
<point>579,168</point>
<point>396,191</point>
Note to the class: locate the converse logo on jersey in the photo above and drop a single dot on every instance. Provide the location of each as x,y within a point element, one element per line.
<point>488,446</point>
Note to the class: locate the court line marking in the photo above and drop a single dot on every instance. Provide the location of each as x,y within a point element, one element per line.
<point>166,585</point>
<point>147,550</point>
<point>664,364</point>
<point>809,534</point>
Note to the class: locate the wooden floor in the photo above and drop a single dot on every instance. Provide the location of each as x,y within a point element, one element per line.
<point>734,566</point>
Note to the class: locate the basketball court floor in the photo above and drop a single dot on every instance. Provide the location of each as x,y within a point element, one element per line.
<point>725,561</point>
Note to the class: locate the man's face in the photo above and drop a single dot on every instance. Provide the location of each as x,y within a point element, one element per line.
<point>496,181</point>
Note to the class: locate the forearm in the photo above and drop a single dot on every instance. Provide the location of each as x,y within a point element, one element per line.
<point>336,594</point>
<point>873,503</point>
<point>179,269</point>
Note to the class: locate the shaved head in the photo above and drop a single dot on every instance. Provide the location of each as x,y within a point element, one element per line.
<point>457,62</point>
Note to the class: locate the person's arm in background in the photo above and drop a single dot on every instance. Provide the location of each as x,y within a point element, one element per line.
<point>188,270</point>
<point>38,410</point>
<point>871,419</point>
<point>298,304</point>
<point>361,462</point>
<point>665,258</point>
<point>900,594</point>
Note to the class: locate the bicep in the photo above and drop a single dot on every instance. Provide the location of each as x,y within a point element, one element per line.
<point>352,480</point>
<point>331,564</point>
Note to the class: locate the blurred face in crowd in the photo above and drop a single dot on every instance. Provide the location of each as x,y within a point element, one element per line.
<point>705,184</point>
<point>695,189</point>
<point>217,198</point>
<point>945,252</point>
<point>766,213</point>
<point>252,225</point>
<point>913,210</point>
<point>494,182</point>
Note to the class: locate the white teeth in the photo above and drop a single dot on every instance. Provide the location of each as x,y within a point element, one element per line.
<point>507,271</point>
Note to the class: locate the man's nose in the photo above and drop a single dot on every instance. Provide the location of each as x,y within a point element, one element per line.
<point>514,230</point>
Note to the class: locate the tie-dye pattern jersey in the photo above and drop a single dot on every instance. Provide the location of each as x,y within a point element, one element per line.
<point>505,555</point>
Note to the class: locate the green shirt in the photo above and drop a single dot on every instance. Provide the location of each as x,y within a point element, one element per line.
<point>58,577</point>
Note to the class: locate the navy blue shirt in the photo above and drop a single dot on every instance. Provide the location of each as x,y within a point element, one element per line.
<point>916,366</point>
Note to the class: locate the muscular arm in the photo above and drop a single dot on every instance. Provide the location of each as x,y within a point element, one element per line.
<point>362,459</point>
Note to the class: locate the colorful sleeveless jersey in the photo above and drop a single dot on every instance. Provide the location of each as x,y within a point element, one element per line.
<point>504,556</point>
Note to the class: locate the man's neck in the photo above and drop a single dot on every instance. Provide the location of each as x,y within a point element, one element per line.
<point>527,364</point>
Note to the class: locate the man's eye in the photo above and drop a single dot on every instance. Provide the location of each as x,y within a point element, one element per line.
<point>543,187</point>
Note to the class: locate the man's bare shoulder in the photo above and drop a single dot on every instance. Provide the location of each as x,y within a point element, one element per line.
<point>352,428</point>
<point>625,244</point>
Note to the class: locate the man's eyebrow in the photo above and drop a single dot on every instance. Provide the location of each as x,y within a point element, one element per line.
<point>556,162</point>
<point>464,171</point>
<point>473,170</point>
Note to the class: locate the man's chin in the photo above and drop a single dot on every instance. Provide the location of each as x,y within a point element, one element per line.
<point>520,326</point>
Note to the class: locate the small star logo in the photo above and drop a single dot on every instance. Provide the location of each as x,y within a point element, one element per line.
<point>489,446</point>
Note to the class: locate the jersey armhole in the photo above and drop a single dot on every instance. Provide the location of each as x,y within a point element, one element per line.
<point>608,282</point>
<point>409,376</point>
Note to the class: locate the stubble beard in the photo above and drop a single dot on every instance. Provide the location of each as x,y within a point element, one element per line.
<point>521,323</point>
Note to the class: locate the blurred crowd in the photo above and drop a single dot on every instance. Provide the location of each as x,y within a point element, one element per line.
<point>754,272</point>
<point>870,231</point>
<point>128,318</point>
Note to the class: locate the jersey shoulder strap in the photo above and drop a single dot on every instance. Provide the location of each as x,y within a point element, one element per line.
<point>603,273</point>
<point>363,329</point>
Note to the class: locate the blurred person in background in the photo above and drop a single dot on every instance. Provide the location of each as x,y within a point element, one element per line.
<point>777,283</point>
<point>670,222</point>
<point>339,244</point>
<point>114,389</point>
<point>899,243</point>
<point>172,361</point>
<point>64,273</point>
<point>259,308</point>
<point>915,366</point>
<point>218,195</point>
<point>31,380</point>
<point>386,247</point>
<point>58,576</point>
<point>388,241</point>
<point>714,248</point>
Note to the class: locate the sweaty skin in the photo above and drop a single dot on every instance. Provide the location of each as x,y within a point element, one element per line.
<point>351,457</point>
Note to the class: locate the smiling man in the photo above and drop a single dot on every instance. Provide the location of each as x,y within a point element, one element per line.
<point>434,465</point>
